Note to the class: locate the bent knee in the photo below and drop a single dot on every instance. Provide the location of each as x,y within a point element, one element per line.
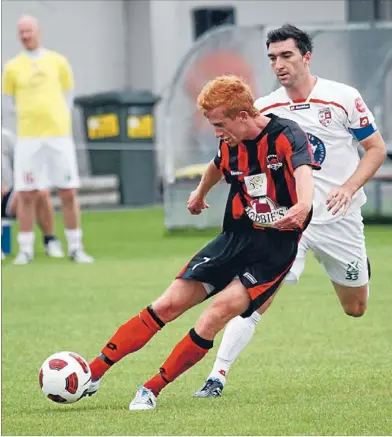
<point>165,310</point>
<point>219,314</point>
<point>355,310</point>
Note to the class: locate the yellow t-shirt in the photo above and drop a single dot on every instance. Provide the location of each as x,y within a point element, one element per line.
<point>38,87</point>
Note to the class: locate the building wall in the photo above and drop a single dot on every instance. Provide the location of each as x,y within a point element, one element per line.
<point>140,43</point>
<point>90,33</point>
<point>114,44</point>
<point>172,41</point>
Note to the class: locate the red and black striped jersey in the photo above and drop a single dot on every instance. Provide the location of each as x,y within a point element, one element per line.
<point>261,174</point>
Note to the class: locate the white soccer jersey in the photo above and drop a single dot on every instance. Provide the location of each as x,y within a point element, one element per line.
<point>335,118</point>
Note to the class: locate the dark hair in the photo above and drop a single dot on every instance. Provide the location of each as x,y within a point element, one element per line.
<point>287,31</point>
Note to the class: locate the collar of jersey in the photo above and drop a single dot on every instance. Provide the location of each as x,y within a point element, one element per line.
<point>310,96</point>
<point>273,117</point>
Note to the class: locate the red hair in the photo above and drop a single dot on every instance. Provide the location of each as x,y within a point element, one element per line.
<point>228,92</point>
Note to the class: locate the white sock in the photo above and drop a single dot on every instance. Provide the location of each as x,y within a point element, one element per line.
<point>74,239</point>
<point>237,335</point>
<point>26,242</point>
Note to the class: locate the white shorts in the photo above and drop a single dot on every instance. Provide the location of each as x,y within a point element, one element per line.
<point>340,249</point>
<point>43,163</point>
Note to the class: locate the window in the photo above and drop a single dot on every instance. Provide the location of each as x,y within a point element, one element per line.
<point>205,19</point>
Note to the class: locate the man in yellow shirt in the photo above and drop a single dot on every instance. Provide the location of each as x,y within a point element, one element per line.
<point>39,84</point>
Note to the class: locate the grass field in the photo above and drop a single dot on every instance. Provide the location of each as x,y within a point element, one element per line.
<point>310,370</point>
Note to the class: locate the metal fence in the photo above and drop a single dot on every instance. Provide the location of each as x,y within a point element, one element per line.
<point>356,54</point>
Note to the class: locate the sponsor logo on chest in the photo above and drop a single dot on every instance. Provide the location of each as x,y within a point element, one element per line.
<point>264,212</point>
<point>299,106</point>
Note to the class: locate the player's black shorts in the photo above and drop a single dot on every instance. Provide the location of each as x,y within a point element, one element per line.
<point>6,205</point>
<point>259,259</point>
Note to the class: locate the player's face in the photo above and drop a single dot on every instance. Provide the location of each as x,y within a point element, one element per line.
<point>229,130</point>
<point>29,35</point>
<point>289,65</point>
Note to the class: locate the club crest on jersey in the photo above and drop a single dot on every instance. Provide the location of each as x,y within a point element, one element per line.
<point>360,105</point>
<point>273,162</point>
<point>264,212</point>
<point>325,116</point>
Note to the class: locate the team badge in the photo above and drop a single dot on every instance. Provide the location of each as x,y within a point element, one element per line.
<point>325,116</point>
<point>273,162</point>
<point>360,105</point>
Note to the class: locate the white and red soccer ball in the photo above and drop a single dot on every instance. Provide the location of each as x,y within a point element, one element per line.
<point>64,377</point>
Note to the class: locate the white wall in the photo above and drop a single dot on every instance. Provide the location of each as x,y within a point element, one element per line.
<point>89,33</point>
<point>114,43</point>
<point>172,27</point>
<point>138,45</point>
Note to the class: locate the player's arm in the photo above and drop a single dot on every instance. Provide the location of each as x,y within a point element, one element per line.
<point>211,176</point>
<point>66,80</point>
<point>304,186</point>
<point>362,126</point>
<point>300,162</point>
<point>8,90</point>
<point>375,153</point>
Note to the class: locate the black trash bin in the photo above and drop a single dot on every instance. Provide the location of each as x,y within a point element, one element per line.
<point>119,131</point>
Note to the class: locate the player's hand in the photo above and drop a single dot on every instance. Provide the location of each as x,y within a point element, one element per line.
<point>196,203</point>
<point>339,198</point>
<point>294,217</point>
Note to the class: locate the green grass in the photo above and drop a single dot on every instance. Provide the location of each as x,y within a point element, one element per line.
<point>310,369</point>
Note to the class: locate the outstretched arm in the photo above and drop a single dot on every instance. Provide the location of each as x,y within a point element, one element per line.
<point>375,152</point>
<point>210,178</point>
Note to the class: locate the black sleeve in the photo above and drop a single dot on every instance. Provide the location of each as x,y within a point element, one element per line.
<point>302,153</point>
<point>218,157</point>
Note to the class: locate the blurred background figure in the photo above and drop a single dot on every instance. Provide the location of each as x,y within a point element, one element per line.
<point>39,83</point>
<point>9,198</point>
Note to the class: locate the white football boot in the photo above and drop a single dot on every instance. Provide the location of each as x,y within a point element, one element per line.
<point>93,388</point>
<point>53,249</point>
<point>81,257</point>
<point>23,258</point>
<point>144,400</point>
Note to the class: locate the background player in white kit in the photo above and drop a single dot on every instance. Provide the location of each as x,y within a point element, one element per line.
<point>39,84</point>
<point>336,119</point>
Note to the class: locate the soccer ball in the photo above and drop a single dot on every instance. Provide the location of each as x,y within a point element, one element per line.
<point>64,377</point>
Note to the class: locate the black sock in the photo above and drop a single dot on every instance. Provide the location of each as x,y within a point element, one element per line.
<point>48,238</point>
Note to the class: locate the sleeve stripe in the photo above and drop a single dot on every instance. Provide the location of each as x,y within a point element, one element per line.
<point>275,105</point>
<point>363,132</point>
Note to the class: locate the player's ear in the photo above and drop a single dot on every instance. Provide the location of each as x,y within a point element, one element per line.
<point>243,116</point>
<point>308,57</point>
